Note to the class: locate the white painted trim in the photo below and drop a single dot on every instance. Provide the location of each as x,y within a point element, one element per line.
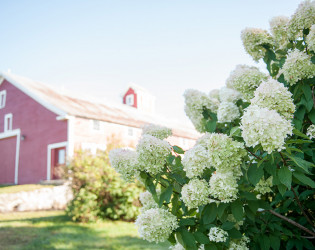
<point>33,96</point>
<point>17,133</point>
<point>70,136</point>
<point>10,118</point>
<point>3,94</point>
<point>49,148</point>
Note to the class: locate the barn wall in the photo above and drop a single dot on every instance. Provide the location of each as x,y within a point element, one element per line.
<point>40,128</point>
<point>131,92</point>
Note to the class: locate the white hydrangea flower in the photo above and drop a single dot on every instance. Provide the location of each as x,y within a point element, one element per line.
<point>229,95</point>
<point>303,18</point>
<point>311,131</point>
<point>195,102</point>
<point>245,79</point>
<point>274,96</point>
<point>125,162</point>
<point>264,186</point>
<point>225,154</point>
<point>239,244</point>
<point>152,153</point>
<point>148,201</point>
<point>265,127</point>
<point>195,193</point>
<point>157,131</point>
<point>215,94</point>
<point>227,112</point>
<point>279,30</point>
<point>253,39</point>
<point>178,246</point>
<point>217,234</point>
<point>195,161</point>
<point>223,187</point>
<point>156,224</point>
<point>311,38</point>
<point>297,66</point>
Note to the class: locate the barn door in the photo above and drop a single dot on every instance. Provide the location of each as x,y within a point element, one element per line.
<point>7,160</point>
<point>58,160</point>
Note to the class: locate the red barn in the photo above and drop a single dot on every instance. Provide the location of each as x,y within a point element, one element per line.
<point>40,128</point>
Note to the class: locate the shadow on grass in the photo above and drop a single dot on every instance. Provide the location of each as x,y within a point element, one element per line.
<point>58,232</point>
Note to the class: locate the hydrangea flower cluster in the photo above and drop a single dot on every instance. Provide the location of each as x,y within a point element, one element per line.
<point>297,66</point>
<point>159,132</point>
<point>217,234</point>
<point>147,200</point>
<point>229,95</point>
<point>264,186</point>
<point>152,153</point>
<point>223,187</point>
<point>195,193</point>
<point>195,161</point>
<point>265,127</point>
<point>253,39</point>
<point>239,244</point>
<point>225,154</point>
<point>279,30</point>
<point>125,162</point>
<point>311,131</point>
<point>156,224</point>
<point>303,18</point>
<point>178,246</point>
<point>227,112</point>
<point>195,102</point>
<point>274,96</point>
<point>215,94</point>
<point>311,38</point>
<point>245,79</point>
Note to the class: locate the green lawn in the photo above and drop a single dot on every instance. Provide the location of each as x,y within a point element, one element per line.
<point>6,189</point>
<point>54,230</point>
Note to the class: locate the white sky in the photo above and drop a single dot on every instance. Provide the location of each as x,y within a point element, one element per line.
<point>98,47</point>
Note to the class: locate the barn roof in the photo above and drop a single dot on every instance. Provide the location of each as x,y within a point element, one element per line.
<point>63,105</point>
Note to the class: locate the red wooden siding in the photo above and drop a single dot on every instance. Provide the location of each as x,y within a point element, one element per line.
<point>7,160</point>
<point>131,92</point>
<point>40,128</point>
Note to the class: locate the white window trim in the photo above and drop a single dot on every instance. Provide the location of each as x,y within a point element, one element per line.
<point>130,99</point>
<point>3,95</point>
<point>17,133</point>
<point>49,148</point>
<point>10,118</point>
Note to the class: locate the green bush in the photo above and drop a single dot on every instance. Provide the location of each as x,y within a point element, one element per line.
<point>98,190</point>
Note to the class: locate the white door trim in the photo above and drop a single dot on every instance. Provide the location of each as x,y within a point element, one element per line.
<point>17,133</point>
<point>49,148</point>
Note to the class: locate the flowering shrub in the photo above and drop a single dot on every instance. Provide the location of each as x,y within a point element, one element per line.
<point>248,183</point>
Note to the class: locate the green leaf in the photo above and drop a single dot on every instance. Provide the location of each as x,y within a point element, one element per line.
<point>304,165</point>
<point>264,242</point>
<point>187,222</point>
<point>237,210</point>
<point>175,204</point>
<point>298,141</point>
<point>304,179</point>
<point>254,174</point>
<point>201,238</point>
<point>234,233</point>
<point>221,208</point>
<point>311,115</point>
<point>253,205</point>
<point>210,213</point>
<point>298,133</point>
<point>228,225</point>
<point>282,188</point>
<point>178,150</point>
<point>170,159</point>
<point>236,131</point>
<point>210,246</point>
<point>186,239</point>
<point>313,59</point>
<point>211,126</point>
<point>285,176</point>
<point>166,195</point>
<point>248,196</point>
<point>307,92</point>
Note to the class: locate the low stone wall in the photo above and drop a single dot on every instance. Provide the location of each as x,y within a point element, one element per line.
<point>40,199</point>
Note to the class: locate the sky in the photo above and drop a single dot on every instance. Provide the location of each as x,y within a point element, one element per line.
<point>99,47</point>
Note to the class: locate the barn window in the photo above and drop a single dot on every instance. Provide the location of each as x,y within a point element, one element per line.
<point>130,100</point>
<point>61,156</point>
<point>3,94</point>
<point>8,122</point>
<point>96,125</point>
<point>130,131</point>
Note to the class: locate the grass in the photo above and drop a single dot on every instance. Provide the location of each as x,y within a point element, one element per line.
<point>9,189</point>
<point>54,230</point>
